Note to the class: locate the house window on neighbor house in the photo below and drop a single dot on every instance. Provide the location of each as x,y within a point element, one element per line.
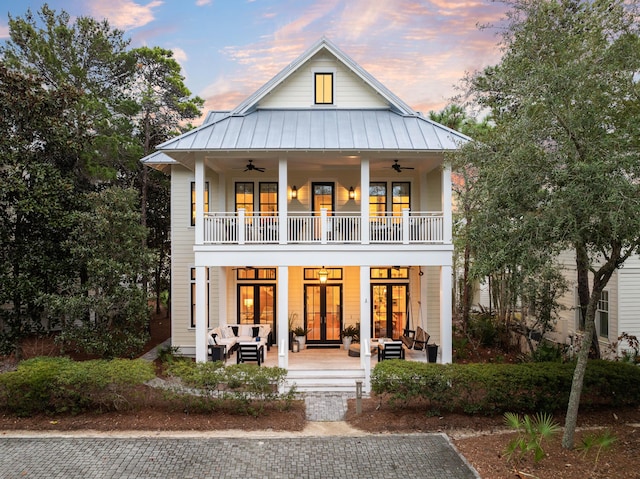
<point>323,88</point>
<point>602,315</point>
<point>244,197</point>
<point>193,201</point>
<point>578,312</point>
<point>377,199</point>
<point>193,297</point>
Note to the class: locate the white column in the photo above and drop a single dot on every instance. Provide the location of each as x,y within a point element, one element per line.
<point>365,326</point>
<point>282,200</point>
<point>364,199</point>
<point>201,314</point>
<point>283,317</point>
<point>199,181</point>
<point>222,296</point>
<point>447,234</point>
<point>445,315</point>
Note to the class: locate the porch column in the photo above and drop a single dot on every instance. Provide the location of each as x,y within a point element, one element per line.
<point>282,201</point>
<point>365,324</point>
<point>201,314</point>
<point>364,200</point>
<point>283,317</point>
<point>199,181</point>
<point>222,295</point>
<point>445,314</point>
<point>447,235</point>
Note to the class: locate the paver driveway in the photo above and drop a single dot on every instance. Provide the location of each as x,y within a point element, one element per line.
<point>371,456</point>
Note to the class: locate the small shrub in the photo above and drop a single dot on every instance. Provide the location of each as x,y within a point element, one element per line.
<point>600,442</point>
<point>531,432</point>
<point>547,352</point>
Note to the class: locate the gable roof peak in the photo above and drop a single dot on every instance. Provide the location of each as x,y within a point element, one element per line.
<point>395,103</point>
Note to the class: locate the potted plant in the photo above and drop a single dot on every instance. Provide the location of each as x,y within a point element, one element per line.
<point>348,335</point>
<point>300,334</point>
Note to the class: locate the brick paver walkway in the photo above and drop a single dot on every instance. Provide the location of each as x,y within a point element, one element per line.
<point>388,456</point>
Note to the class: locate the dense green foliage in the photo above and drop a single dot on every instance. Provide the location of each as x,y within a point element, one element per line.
<point>59,385</point>
<point>497,388</point>
<point>78,109</point>
<point>248,387</point>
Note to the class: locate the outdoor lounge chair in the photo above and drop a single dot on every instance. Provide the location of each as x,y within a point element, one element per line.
<point>250,352</point>
<point>391,350</point>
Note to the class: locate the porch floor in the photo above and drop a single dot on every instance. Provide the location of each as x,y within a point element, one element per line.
<point>328,358</point>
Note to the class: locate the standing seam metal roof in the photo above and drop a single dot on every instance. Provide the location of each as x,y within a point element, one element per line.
<point>320,129</point>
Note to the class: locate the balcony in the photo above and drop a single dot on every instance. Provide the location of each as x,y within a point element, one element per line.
<point>410,227</point>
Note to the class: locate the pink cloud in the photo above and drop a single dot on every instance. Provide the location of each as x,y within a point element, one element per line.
<point>419,49</point>
<point>125,14</point>
<point>4,31</point>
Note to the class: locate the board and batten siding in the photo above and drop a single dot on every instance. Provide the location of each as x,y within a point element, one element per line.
<point>297,91</point>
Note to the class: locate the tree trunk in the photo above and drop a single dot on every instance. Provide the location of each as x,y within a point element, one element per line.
<point>578,380</point>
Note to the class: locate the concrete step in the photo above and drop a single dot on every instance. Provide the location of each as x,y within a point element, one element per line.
<point>339,380</point>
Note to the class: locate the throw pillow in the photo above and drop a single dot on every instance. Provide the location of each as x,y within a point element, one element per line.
<point>235,330</point>
<point>256,331</point>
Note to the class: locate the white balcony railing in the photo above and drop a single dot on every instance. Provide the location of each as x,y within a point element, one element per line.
<point>320,228</point>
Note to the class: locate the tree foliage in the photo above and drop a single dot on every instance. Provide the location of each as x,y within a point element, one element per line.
<point>106,314</point>
<point>37,151</point>
<point>561,170</point>
<point>78,110</point>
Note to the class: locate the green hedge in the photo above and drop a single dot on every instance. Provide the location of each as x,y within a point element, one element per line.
<point>55,385</point>
<point>496,388</point>
<point>247,388</point>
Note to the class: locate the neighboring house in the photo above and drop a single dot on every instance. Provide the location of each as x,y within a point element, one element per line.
<point>618,308</point>
<point>321,174</point>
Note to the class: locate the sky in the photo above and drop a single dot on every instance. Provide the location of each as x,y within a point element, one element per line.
<point>419,49</point>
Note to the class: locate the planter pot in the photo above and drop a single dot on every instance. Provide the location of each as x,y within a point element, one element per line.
<point>346,342</point>
<point>301,340</point>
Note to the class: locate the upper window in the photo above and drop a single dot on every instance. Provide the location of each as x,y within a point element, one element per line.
<point>323,88</point>
<point>401,197</point>
<point>244,197</point>
<point>268,199</point>
<point>193,201</point>
<point>377,199</point>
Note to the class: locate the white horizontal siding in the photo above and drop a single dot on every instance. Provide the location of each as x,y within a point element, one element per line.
<point>298,90</point>
<point>629,302</point>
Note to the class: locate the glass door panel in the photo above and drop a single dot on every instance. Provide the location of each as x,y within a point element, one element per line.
<point>389,315</point>
<point>256,305</point>
<point>323,313</point>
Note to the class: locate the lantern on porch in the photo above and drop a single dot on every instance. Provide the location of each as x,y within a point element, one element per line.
<point>323,274</point>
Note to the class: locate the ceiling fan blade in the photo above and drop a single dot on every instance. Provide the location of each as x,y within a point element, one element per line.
<point>260,169</point>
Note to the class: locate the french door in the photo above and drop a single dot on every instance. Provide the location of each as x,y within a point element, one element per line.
<point>257,305</point>
<point>389,310</point>
<point>323,313</point>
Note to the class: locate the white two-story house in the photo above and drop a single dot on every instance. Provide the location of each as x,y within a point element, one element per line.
<point>324,199</point>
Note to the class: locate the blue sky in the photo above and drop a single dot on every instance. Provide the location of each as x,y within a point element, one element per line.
<point>419,49</point>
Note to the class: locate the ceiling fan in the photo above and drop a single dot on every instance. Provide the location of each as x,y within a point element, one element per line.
<point>250,167</point>
<point>399,168</point>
